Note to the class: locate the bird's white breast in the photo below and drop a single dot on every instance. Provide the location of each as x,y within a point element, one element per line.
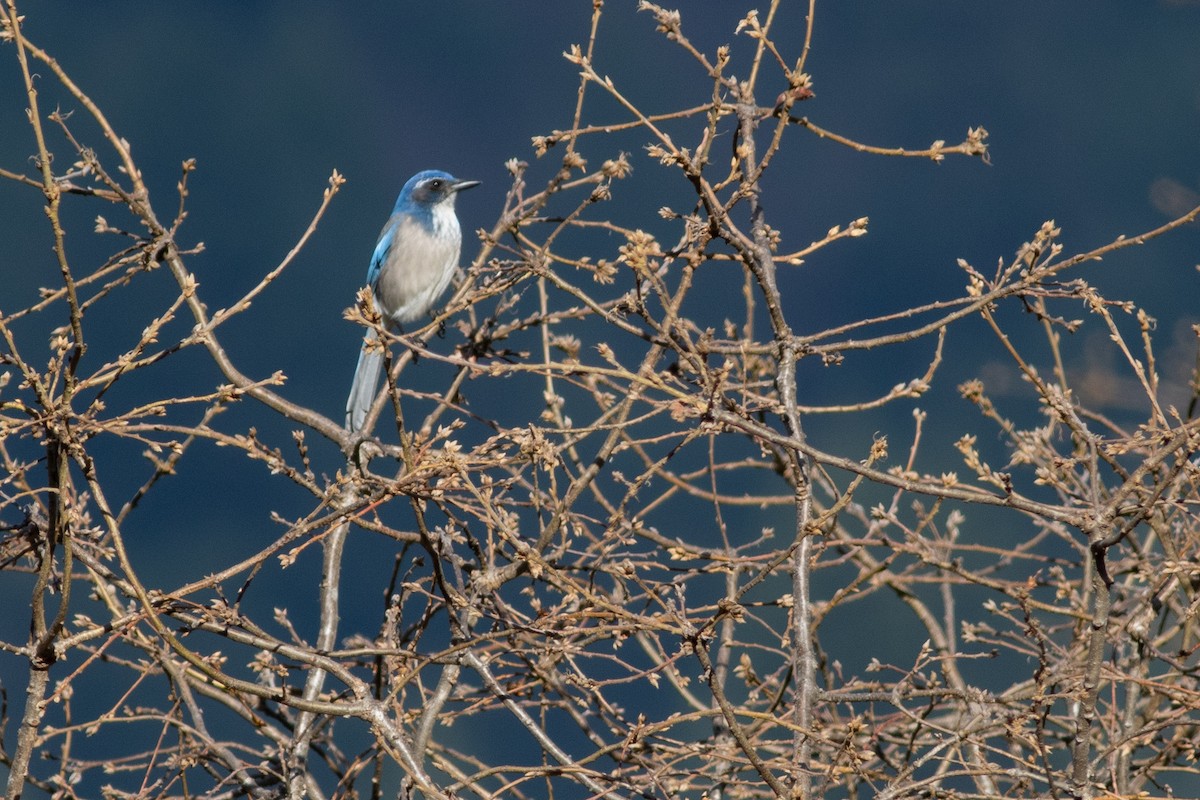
<point>419,266</point>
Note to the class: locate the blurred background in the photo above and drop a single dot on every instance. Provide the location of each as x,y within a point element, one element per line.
<point>1093,112</point>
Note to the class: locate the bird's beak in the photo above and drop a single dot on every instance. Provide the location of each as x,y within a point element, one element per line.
<point>458,186</point>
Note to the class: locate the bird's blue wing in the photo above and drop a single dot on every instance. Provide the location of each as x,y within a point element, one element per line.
<point>370,361</point>
<point>382,248</point>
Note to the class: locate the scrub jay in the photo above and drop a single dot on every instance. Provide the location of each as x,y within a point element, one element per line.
<point>414,259</point>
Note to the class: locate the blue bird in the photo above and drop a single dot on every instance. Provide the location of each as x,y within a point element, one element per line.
<point>412,265</point>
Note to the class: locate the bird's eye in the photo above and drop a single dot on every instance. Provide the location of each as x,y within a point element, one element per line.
<point>435,184</point>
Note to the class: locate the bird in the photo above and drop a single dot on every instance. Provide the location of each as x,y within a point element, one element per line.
<point>412,265</point>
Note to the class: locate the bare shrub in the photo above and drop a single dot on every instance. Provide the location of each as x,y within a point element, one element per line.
<point>593,594</point>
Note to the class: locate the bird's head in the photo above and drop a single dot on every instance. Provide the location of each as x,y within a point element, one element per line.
<point>428,189</point>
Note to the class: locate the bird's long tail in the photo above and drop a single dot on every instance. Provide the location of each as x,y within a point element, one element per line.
<point>366,379</point>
